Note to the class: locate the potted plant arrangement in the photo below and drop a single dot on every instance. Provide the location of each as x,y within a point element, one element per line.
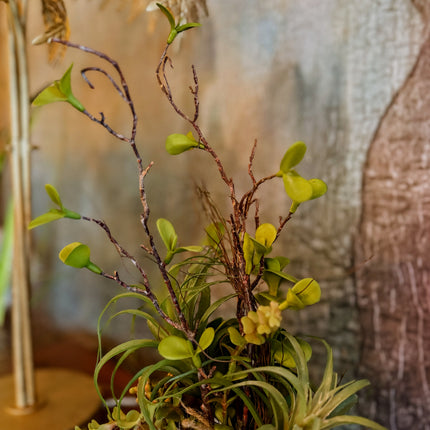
<point>240,372</point>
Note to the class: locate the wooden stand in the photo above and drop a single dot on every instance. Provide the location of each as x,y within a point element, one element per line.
<point>66,398</point>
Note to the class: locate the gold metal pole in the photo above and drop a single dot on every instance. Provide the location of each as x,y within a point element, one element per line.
<point>25,396</point>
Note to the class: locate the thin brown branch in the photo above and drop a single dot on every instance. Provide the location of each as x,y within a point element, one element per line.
<point>154,252</point>
<point>124,253</point>
<point>125,93</point>
<point>282,222</point>
<point>165,88</point>
<point>251,160</point>
<point>145,292</point>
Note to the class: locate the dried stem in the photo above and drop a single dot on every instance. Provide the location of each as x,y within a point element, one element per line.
<point>124,92</point>
<point>124,253</point>
<point>165,88</point>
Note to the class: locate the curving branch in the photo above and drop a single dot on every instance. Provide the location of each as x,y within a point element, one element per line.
<point>100,70</point>
<point>124,93</point>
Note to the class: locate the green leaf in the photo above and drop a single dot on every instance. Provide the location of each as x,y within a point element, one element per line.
<point>172,35</point>
<point>298,189</point>
<point>59,91</point>
<point>266,234</point>
<point>308,290</point>
<point>293,156</point>
<point>65,83</point>
<point>214,306</point>
<point>319,188</point>
<point>284,352</point>
<point>168,14</point>
<point>282,275</point>
<point>167,233</point>
<point>186,27</point>
<point>351,419</point>
<point>248,253</point>
<point>50,94</point>
<point>49,216</point>
<point>177,143</point>
<point>235,337</point>
<point>190,248</point>
<point>175,348</point>
<point>53,195</point>
<point>206,338</point>
<point>273,279</point>
<point>345,406</point>
<point>304,293</point>
<point>215,233</point>
<point>77,255</point>
<point>70,214</point>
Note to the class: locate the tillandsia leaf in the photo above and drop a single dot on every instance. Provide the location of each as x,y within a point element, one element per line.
<point>344,407</point>
<point>175,348</point>
<point>284,353</point>
<point>190,248</point>
<point>351,419</point>
<point>177,143</point>
<point>77,255</point>
<point>59,91</point>
<point>214,234</point>
<point>293,156</point>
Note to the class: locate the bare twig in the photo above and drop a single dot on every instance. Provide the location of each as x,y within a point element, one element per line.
<point>112,80</point>
<point>125,93</point>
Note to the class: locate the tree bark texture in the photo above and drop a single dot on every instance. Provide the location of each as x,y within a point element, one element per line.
<point>394,286</point>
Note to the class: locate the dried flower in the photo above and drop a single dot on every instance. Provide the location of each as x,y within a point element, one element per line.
<point>264,321</point>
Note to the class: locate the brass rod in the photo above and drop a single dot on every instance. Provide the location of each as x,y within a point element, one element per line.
<point>25,396</point>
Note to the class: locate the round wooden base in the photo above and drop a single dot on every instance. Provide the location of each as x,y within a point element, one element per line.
<point>65,398</point>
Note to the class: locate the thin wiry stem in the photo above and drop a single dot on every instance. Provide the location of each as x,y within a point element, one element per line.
<point>124,253</point>
<point>124,92</point>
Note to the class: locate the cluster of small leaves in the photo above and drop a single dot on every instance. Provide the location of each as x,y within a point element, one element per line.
<point>214,373</point>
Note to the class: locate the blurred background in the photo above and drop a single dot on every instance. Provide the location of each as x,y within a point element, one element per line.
<point>350,79</point>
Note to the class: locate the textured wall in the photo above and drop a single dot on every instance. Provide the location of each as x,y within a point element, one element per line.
<point>393,287</point>
<point>325,72</point>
